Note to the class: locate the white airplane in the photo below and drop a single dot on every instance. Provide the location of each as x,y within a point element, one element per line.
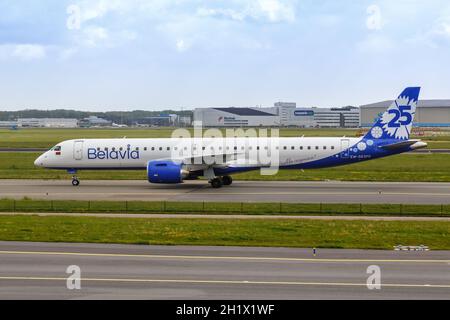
<point>170,161</point>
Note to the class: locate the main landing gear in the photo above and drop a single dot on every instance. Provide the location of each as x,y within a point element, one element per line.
<point>219,182</point>
<point>227,180</point>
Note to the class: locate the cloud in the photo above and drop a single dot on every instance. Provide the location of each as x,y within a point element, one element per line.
<point>376,44</point>
<point>24,52</point>
<point>435,36</point>
<point>92,36</point>
<point>258,10</point>
<point>277,10</point>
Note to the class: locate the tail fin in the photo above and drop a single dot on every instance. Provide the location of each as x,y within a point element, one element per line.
<point>396,123</point>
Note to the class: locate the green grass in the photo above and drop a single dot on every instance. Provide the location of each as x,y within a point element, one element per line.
<point>262,233</point>
<point>35,206</point>
<point>47,138</point>
<point>408,167</point>
<point>403,168</point>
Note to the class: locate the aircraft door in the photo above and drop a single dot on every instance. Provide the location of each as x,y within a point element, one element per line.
<point>345,148</point>
<point>78,150</point>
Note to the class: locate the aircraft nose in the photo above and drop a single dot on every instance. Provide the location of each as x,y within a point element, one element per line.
<point>39,162</point>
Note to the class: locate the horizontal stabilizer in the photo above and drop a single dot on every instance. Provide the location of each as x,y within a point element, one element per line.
<point>414,144</point>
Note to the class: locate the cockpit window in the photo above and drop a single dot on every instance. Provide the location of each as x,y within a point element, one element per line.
<point>57,148</point>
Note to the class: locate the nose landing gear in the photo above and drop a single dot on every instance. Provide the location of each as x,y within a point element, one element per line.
<point>75,181</point>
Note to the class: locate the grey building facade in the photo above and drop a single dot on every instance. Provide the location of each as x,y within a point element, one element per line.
<point>283,114</point>
<point>429,113</point>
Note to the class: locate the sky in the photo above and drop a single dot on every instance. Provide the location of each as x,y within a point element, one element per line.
<point>102,55</point>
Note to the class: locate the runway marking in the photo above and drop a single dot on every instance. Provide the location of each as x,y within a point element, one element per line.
<point>216,257</point>
<point>239,282</point>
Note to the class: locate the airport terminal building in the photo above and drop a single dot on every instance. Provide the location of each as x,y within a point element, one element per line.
<point>430,113</point>
<point>283,114</point>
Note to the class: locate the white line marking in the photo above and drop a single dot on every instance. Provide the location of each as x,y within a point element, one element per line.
<point>274,283</point>
<point>215,257</point>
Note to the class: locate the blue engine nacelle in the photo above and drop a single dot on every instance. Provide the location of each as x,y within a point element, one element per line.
<point>165,172</point>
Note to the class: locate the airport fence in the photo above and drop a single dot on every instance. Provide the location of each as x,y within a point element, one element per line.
<point>27,205</point>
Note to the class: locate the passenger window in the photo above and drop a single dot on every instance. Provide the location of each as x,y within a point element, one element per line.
<point>160,148</point>
<point>317,148</point>
<point>309,148</point>
<point>292,148</point>
<point>332,147</point>
<point>301,148</point>
<point>324,148</point>
<point>168,148</point>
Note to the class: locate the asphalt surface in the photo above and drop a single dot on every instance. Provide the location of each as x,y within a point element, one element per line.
<point>240,191</point>
<point>38,271</point>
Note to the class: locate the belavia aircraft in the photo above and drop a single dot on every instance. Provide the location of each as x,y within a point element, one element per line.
<point>174,160</point>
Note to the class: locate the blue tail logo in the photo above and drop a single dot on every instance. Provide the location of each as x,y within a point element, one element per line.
<point>396,123</point>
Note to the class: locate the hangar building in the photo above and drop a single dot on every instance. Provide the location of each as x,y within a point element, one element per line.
<point>430,113</point>
<point>236,117</point>
<point>283,114</point>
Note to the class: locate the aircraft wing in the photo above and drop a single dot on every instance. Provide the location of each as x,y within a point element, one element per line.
<point>207,159</point>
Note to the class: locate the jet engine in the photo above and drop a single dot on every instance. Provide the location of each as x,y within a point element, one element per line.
<point>166,172</point>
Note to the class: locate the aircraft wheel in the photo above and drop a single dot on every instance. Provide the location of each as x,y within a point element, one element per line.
<point>227,180</point>
<point>75,182</point>
<point>216,183</point>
